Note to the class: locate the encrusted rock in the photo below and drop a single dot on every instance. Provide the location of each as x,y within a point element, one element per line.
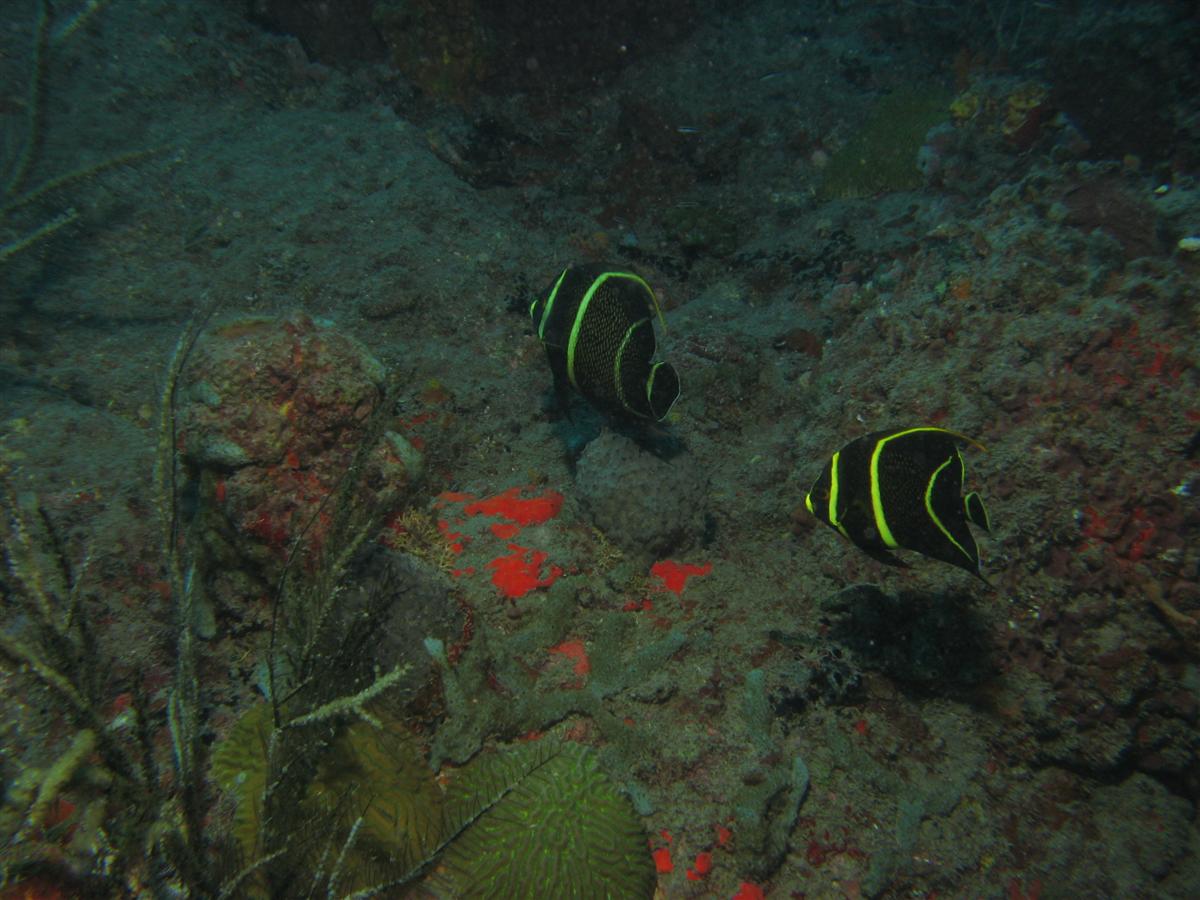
<point>643,503</point>
<point>271,413</point>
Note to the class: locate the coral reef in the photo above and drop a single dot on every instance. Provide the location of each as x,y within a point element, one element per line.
<point>378,581</point>
<point>491,689</point>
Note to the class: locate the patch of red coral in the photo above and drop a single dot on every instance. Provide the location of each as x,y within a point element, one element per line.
<point>519,572</point>
<point>520,510</point>
<point>674,575</point>
<point>577,653</point>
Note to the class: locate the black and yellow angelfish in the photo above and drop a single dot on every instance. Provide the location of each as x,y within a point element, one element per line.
<point>597,325</point>
<point>902,489</point>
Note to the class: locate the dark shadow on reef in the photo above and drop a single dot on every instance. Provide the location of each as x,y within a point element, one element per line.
<point>928,643</point>
<point>916,638</point>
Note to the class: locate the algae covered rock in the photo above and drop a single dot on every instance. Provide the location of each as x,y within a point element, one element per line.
<point>643,503</point>
<point>882,155</point>
<point>271,412</point>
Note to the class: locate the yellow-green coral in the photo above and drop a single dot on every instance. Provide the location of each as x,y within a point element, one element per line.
<point>560,830</point>
<point>882,155</point>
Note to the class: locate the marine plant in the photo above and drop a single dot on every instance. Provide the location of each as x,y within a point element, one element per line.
<point>19,228</point>
<point>331,790</point>
<point>136,825</point>
<point>531,819</point>
<point>333,793</point>
<point>144,811</point>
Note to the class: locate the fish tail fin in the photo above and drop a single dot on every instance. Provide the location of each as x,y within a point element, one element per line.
<point>662,389</point>
<point>976,511</point>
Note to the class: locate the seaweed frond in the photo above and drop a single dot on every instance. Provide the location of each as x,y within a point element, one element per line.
<point>17,170</point>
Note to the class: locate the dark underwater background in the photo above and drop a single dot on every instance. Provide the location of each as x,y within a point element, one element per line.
<point>312,589</point>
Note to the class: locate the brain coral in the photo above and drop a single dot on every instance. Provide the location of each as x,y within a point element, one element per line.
<point>559,830</point>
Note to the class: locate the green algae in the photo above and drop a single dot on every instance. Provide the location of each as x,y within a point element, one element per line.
<point>881,157</point>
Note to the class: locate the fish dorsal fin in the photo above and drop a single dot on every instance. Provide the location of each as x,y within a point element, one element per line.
<point>653,297</point>
<point>547,305</point>
<point>633,276</point>
<point>959,436</point>
<point>658,312</point>
<point>976,511</point>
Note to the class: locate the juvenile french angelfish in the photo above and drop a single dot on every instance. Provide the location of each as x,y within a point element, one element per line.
<point>902,489</point>
<point>597,325</point>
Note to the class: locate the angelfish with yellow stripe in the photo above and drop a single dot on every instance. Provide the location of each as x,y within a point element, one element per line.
<point>902,489</point>
<point>597,325</point>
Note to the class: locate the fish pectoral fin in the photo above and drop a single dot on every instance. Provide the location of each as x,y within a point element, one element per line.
<point>976,511</point>
<point>888,559</point>
<point>562,395</point>
<point>563,398</point>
